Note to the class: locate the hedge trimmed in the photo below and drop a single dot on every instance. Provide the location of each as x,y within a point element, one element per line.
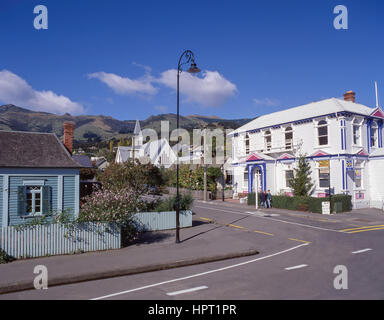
<point>340,202</point>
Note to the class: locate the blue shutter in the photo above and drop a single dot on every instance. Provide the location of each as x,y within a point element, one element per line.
<point>21,200</point>
<point>47,200</point>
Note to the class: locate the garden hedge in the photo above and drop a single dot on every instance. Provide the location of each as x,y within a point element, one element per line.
<point>340,202</point>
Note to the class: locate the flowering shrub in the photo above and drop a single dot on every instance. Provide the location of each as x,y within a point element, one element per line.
<point>111,206</point>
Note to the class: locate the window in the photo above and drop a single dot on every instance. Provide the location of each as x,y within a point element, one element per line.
<point>322,133</point>
<point>247,144</point>
<point>33,199</point>
<point>288,176</point>
<point>374,133</point>
<point>267,140</point>
<point>33,205</point>
<point>323,178</point>
<point>246,175</point>
<point>357,178</point>
<point>356,132</point>
<point>288,138</point>
<point>358,175</point>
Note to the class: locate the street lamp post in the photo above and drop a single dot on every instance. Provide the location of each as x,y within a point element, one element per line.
<point>186,57</point>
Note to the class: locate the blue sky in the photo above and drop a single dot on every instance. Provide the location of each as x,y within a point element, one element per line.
<point>118,58</point>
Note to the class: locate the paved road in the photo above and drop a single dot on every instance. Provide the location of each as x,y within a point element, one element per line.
<point>298,255</point>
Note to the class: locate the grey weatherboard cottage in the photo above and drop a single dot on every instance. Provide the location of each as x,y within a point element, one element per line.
<point>37,176</point>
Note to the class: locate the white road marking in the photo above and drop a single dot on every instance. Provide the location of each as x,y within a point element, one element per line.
<point>297,267</point>
<point>199,274</point>
<point>186,291</point>
<point>360,251</point>
<point>248,213</point>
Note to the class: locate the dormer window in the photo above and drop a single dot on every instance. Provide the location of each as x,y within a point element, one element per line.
<point>267,140</point>
<point>322,133</point>
<point>288,138</point>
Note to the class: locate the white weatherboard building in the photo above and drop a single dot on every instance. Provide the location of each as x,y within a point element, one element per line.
<point>342,140</point>
<point>157,152</point>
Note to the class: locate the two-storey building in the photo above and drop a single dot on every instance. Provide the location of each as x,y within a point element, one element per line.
<point>342,140</point>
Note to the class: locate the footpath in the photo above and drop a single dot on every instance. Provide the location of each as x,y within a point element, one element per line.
<point>153,251</point>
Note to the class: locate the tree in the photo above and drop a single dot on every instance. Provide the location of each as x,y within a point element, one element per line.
<point>301,182</point>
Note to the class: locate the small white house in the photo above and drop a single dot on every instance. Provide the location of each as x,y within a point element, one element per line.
<point>342,140</point>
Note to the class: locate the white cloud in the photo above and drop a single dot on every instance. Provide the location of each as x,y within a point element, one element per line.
<point>15,90</point>
<point>211,90</point>
<point>267,102</point>
<point>125,86</point>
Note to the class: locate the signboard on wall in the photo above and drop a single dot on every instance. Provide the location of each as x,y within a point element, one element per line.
<point>324,164</point>
<point>349,165</point>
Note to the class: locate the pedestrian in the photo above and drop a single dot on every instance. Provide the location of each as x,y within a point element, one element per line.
<point>269,199</point>
<point>263,199</point>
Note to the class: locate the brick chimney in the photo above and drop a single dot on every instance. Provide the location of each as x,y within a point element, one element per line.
<point>350,96</point>
<point>69,130</point>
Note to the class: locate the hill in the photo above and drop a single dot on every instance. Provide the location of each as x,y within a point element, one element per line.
<point>101,128</point>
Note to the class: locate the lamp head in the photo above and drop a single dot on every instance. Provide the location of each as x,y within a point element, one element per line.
<point>193,68</point>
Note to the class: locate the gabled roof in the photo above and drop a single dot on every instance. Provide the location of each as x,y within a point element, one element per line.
<point>307,111</point>
<point>33,150</point>
<point>320,153</point>
<point>378,113</point>
<point>286,156</point>
<point>362,152</point>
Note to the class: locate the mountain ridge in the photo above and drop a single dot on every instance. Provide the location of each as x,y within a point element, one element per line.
<point>101,127</point>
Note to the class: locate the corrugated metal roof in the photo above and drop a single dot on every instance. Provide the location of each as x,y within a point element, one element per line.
<point>33,150</point>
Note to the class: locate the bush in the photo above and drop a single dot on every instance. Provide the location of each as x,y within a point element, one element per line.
<point>5,257</point>
<point>169,204</point>
<point>340,202</point>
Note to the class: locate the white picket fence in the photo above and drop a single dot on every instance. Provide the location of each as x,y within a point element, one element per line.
<point>57,239</point>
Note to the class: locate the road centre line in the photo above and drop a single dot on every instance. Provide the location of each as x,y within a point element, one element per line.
<point>206,219</point>
<point>297,267</point>
<point>298,240</point>
<point>235,226</point>
<point>361,251</point>
<point>365,230</point>
<point>268,218</point>
<point>262,232</point>
<point>175,293</point>
<point>200,274</point>
<point>364,227</point>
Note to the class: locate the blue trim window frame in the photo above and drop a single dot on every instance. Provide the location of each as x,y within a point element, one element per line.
<point>374,132</point>
<point>380,132</point>
<point>343,135</point>
<point>322,133</point>
<point>356,132</point>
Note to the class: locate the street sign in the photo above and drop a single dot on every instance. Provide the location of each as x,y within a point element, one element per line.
<point>349,165</point>
<point>326,207</point>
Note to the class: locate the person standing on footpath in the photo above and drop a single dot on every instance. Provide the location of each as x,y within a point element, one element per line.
<point>263,199</point>
<point>269,199</point>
